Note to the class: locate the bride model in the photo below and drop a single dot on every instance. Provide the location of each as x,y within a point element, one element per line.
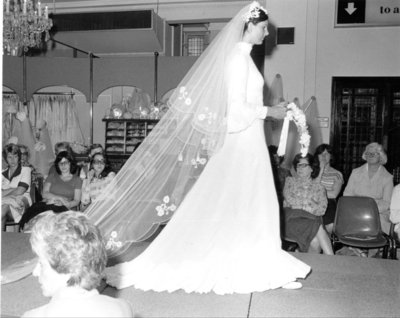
<point>207,164</point>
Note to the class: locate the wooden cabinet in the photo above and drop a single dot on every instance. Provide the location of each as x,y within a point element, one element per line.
<point>365,110</point>
<point>123,136</point>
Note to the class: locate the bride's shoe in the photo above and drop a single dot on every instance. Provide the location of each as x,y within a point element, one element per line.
<point>292,285</point>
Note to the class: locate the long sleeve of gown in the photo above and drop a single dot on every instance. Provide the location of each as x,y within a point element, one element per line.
<point>241,113</point>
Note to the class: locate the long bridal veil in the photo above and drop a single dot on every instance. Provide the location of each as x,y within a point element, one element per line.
<point>148,189</point>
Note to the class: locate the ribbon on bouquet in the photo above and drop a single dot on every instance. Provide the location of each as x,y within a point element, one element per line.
<point>283,139</point>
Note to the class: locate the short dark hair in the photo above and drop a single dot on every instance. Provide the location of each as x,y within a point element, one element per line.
<point>67,155</point>
<point>310,158</point>
<point>12,149</point>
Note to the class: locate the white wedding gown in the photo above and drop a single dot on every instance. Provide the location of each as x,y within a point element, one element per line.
<point>225,235</point>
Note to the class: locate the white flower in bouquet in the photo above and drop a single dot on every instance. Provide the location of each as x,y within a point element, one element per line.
<point>297,115</point>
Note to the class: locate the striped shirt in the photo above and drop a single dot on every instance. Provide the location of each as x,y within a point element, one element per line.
<point>329,177</point>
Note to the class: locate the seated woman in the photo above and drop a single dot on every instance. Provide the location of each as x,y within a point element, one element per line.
<point>395,210</point>
<point>61,191</point>
<point>15,186</point>
<point>72,258</point>
<point>98,178</point>
<point>331,179</point>
<point>60,147</point>
<point>373,180</point>
<point>304,205</point>
<point>36,177</point>
<point>95,148</point>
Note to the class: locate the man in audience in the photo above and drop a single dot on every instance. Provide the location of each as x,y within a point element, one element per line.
<point>72,258</point>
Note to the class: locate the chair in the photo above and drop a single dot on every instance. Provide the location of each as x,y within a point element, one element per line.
<point>357,224</point>
<point>396,242</point>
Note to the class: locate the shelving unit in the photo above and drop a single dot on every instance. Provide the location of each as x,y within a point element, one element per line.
<point>123,136</point>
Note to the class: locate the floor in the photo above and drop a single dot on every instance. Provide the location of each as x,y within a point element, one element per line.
<point>339,286</point>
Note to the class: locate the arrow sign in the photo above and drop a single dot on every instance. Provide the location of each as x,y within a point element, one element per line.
<point>350,12</point>
<point>350,8</point>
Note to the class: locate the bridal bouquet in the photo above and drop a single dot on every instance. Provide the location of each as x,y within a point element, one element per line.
<point>295,114</point>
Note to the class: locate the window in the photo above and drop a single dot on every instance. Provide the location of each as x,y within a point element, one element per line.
<point>195,39</point>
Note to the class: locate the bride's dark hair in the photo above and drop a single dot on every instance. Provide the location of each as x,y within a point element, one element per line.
<point>263,16</point>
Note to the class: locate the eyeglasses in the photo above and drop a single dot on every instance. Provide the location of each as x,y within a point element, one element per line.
<point>99,162</point>
<point>64,163</point>
<point>12,157</point>
<point>302,165</point>
<point>371,154</point>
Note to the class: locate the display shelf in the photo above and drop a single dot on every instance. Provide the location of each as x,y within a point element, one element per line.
<point>123,136</point>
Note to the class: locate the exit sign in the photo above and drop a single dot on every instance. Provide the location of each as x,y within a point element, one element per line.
<point>359,13</point>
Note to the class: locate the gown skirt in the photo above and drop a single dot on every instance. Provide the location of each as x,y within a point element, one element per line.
<point>225,235</point>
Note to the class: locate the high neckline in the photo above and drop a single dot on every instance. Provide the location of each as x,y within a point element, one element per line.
<point>245,45</point>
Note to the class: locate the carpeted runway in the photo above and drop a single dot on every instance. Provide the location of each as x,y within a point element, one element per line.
<point>339,286</point>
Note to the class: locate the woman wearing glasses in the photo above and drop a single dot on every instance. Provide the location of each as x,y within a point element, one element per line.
<point>304,204</point>
<point>98,178</point>
<point>373,180</point>
<point>61,190</point>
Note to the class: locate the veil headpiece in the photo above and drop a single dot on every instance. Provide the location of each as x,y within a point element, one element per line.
<point>254,11</point>
<point>152,183</point>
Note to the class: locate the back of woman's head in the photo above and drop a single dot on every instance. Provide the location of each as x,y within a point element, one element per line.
<point>72,245</point>
<point>67,155</point>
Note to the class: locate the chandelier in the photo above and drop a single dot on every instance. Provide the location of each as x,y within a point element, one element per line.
<point>24,23</point>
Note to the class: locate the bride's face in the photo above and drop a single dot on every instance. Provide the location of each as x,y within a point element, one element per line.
<point>258,32</point>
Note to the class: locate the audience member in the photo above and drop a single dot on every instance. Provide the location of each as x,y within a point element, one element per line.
<point>95,148</point>
<point>304,205</point>
<point>98,178</point>
<point>72,258</point>
<point>59,147</point>
<point>15,186</point>
<point>61,191</point>
<point>36,177</point>
<point>395,209</point>
<point>331,179</point>
<point>373,180</point>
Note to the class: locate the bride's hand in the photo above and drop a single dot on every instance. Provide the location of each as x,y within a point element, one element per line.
<point>278,111</point>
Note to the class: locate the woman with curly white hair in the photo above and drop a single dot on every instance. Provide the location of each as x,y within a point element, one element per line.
<point>71,261</point>
<point>373,180</point>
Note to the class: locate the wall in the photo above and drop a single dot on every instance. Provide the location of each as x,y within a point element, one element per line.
<point>320,51</point>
